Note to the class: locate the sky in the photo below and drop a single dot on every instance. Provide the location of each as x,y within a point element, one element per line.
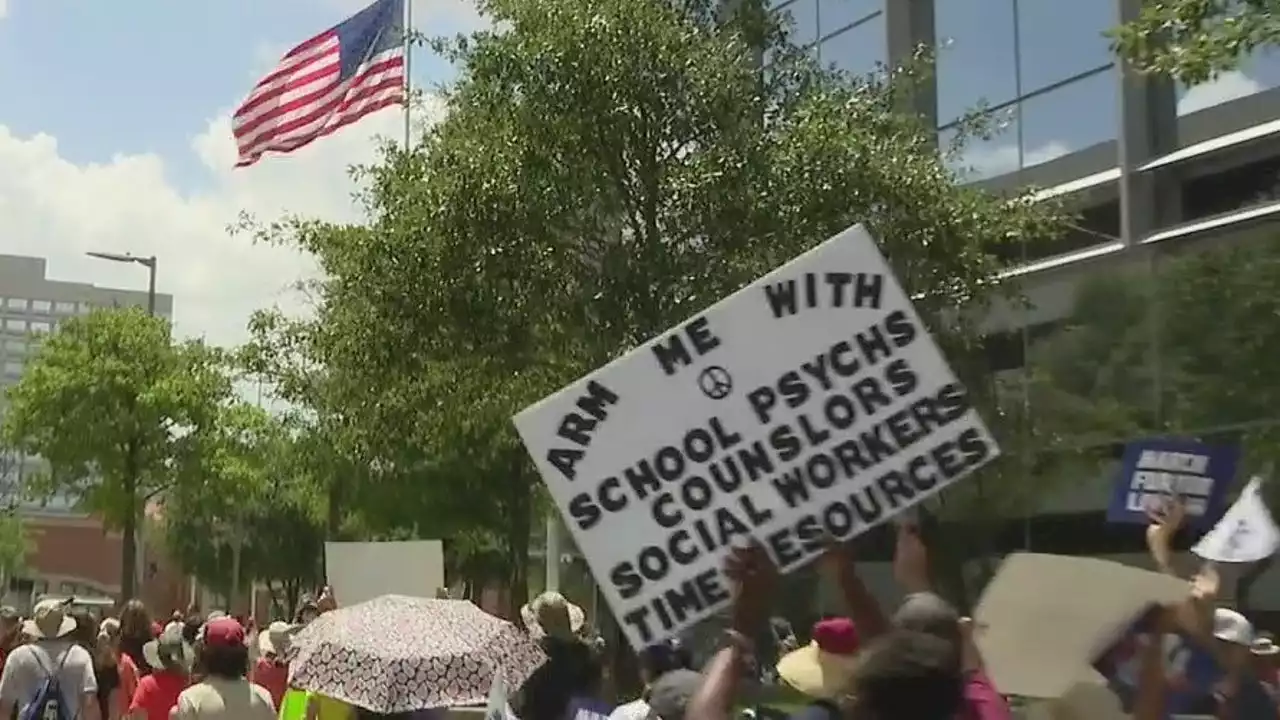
<point>116,135</point>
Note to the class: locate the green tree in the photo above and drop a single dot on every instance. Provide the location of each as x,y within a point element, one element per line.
<point>249,511</point>
<point>114,407</point>
<point>605,170</point>
<point>1196,40</point>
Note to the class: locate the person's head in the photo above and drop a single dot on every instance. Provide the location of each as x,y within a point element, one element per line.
<point>191,629</point>
<point>10,626</point>
<point>223,652</point>
<point>821,670</point>
<point>169,652</point>
<point>669,695</point>
<point>135,622</point>
<point>49,620</point>
<point>660,659</point>
<point>907,675</point>
<point>551,615</point>
<point>108,641</point>
<point>1234,634</point>
<point>928,613</point>
<point>86,633</point>
<point>307,611</point>
<point>274,641</point>
<point>1265,651</point>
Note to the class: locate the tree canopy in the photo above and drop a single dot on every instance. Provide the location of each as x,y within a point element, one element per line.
<point>605,170</point>
<point>114,407</point>
<point>1194,41</point>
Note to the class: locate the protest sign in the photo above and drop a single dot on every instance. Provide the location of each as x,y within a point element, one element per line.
<point>1075,608</point>
<point>360,571</point>
<point>1155,470</point>
<point>1246,533</point>
<point>811,402</point>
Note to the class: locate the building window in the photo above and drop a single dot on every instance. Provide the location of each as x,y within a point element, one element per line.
<point>837,15</point>
<point>15,303</point>
<point>15,346</point>
<point>64,308</point>
<point>40,326</point>
<point>858,50</point>
<point>15,325</point>
<point>41,306</point>
<point>12,368</point>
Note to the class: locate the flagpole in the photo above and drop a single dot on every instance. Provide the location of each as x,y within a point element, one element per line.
<point>408,67</point>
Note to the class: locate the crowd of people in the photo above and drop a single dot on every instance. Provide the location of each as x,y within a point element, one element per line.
<point>920,662</point>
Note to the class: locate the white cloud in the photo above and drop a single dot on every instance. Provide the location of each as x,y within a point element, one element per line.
<point>985,161</point>
<point>1226,87</point>
<point>4,8</point>
<point>57,209</point>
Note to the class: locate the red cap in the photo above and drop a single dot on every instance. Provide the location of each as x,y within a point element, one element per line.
<point>223,632</point>
<point>837,636</point>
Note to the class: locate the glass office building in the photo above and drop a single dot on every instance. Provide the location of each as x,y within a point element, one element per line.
<point>1154,169</point>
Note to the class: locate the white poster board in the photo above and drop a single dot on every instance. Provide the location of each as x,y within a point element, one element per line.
<point>359,571</point>
<point>811,401</point>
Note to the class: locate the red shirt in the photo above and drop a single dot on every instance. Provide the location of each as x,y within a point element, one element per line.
<point>157,693</point>
<point>128,680</point>
<point>272,676</point>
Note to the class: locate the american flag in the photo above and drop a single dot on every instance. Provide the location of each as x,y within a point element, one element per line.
<point>326,83</point>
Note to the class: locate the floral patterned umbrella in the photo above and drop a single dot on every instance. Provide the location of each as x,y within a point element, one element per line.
<point>398,654</point>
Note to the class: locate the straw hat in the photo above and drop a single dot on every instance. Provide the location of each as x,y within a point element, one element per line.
<point>824,668</point>
<point>551,614</point>
<point>49,620</point>
<point>275,640</point>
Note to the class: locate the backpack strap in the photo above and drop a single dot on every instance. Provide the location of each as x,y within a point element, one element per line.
<point>54,676</point>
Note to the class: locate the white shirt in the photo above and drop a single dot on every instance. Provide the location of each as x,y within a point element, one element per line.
<point>221,699</point>
<point>634,710</point>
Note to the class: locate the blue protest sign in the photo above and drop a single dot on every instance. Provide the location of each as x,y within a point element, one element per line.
<point>1155,469</point>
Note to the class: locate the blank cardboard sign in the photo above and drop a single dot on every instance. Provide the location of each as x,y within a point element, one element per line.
<point>1044,619</point>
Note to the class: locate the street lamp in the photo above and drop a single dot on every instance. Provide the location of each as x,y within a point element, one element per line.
<point>131,522</point>
<point>148,262</point>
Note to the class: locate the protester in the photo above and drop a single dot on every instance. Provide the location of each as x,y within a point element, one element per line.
<point>116,675</point>
<point>10,631</point>
<point>655,662</point>
<point>170,659</point>
<point>571,675</point>
<point>224,693</point>
<point>271,671</point>
<point>307,611</point>
<point>136,631</point>
<point>52,669</point>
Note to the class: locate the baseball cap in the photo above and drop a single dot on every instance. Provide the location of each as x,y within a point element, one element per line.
<point>670,694</point>
<point>222,632</point>
<point>1232,627</point>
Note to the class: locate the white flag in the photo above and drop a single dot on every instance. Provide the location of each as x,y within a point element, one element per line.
<point>1246,533</point>
<point>499,705</point>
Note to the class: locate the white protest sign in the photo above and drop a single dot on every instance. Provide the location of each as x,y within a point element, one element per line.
<point>812,401</point>
<point>1246,533</point>
<point>360,571</point>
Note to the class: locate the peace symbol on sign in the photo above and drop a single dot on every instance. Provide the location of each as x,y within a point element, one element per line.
<point>715,382</point>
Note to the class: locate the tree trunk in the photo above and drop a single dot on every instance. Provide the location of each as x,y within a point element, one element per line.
<point>129,528</point>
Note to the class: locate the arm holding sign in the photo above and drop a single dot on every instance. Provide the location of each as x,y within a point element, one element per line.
<point>862,606</point>
<point>1164,525</point>
<point>753,575</point>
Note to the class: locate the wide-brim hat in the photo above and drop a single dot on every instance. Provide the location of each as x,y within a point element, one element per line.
<point>552,614</point>
<point>174,646</point>
<point>816,673</point>
<point>1264,645</point>
<point>277,638</point>
<point>49,620</point>
<point>824,668</point>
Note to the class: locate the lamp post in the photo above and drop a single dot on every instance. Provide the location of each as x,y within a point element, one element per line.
<point>132,561</point>
<point>148,262</point>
